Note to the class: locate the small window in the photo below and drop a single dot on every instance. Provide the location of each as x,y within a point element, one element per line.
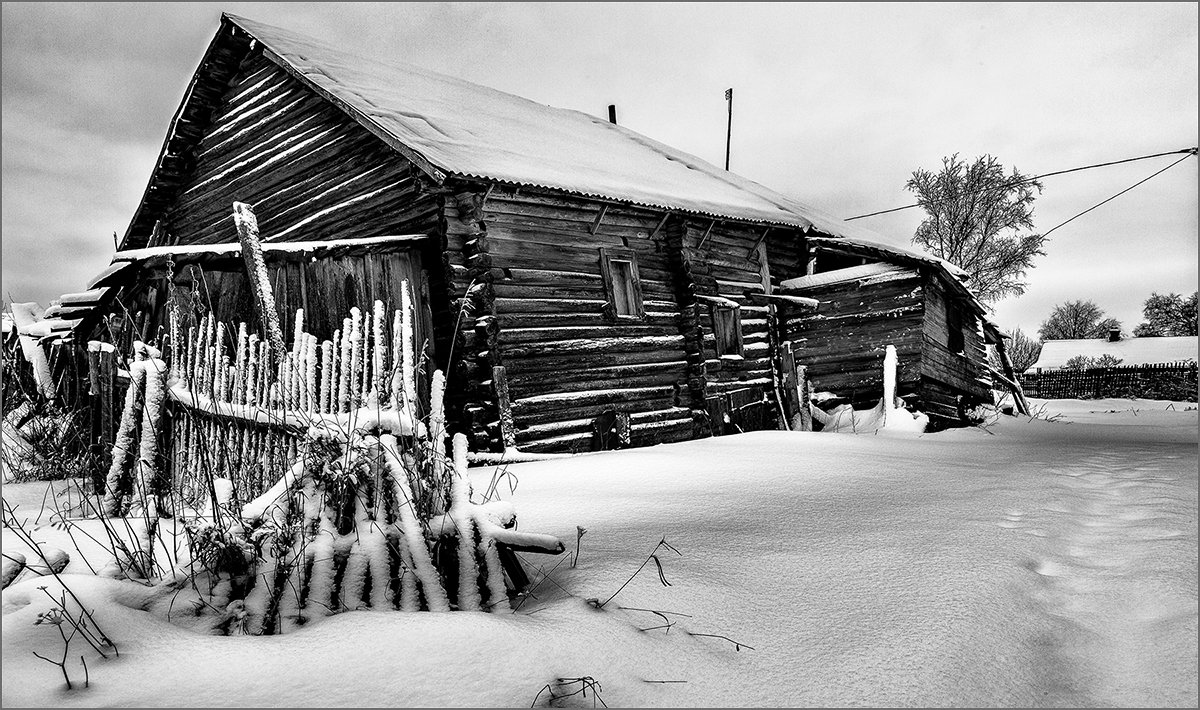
<point>621,282</point>
<point>727,329</point>
<point>954,327</point>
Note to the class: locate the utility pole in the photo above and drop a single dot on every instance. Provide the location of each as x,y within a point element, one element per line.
<point>729,128</point>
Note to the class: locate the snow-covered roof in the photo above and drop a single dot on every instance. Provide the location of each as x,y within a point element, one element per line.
<point>61,319</point>
<point>954,277</point>
<point>452,127</point>
<point>1131,351</point>
<point>853,273</point>
<point>865,243</point>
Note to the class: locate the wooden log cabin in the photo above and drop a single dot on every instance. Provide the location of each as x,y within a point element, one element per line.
<point>583,285</point>
<point>871,296</point>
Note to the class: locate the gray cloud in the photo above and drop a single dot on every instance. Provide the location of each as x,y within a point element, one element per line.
<point>836,105</point>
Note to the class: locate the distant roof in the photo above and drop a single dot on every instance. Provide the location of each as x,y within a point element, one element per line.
<point>453,128</point>
<point>1131,351</point>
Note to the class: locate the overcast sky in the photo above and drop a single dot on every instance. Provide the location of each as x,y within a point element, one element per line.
<point>836,105</point>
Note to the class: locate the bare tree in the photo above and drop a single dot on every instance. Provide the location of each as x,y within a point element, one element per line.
<point>1169,315</point>
<point>1074,320</point>
<point>1022,350</point>
<point>980,220</point>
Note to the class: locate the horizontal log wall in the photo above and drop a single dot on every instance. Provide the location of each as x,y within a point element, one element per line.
<point>963,374</point>
<point>310,172</point>
<point>787,255</point>
<point>566,359</point>
<point>843,343</point>
<point>724,259</point>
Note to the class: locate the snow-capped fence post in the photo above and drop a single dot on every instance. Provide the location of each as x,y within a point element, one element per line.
<point>256,270</point>
<point>362,507</point>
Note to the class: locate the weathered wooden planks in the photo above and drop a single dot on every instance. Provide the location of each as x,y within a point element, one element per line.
<point>309,171</point>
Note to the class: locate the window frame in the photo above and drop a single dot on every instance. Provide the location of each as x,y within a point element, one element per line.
<point>955,325</point>
<point>727,333</point>
<point>609,273</point>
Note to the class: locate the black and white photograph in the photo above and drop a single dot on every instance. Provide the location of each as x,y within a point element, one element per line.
<point>668,354</point>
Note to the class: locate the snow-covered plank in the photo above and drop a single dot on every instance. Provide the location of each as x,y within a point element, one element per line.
<point>268,246</point>
<point>853,273</point>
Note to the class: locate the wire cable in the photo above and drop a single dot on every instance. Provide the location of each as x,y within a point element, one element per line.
<point>1188,151</point>
<point>1122,192</point>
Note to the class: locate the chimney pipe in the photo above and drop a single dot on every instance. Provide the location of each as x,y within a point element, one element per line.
<point>1114,334</point>
<point>612,113</point>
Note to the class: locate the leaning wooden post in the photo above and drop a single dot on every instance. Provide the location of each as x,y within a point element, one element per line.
<point>802,387</point>
<point>256,269</point>
<point>508,429</point>
<point>1014,383</point>
<point>791,396</point>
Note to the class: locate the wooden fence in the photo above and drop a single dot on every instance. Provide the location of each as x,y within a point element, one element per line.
<point>1174,381</point>
<point>240,411</point>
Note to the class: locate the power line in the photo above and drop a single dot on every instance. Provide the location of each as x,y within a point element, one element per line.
<point>1188,151</point>
<point>1122,192</point>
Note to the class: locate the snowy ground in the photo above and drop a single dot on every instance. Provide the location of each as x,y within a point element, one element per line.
<point>1043,564</point>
